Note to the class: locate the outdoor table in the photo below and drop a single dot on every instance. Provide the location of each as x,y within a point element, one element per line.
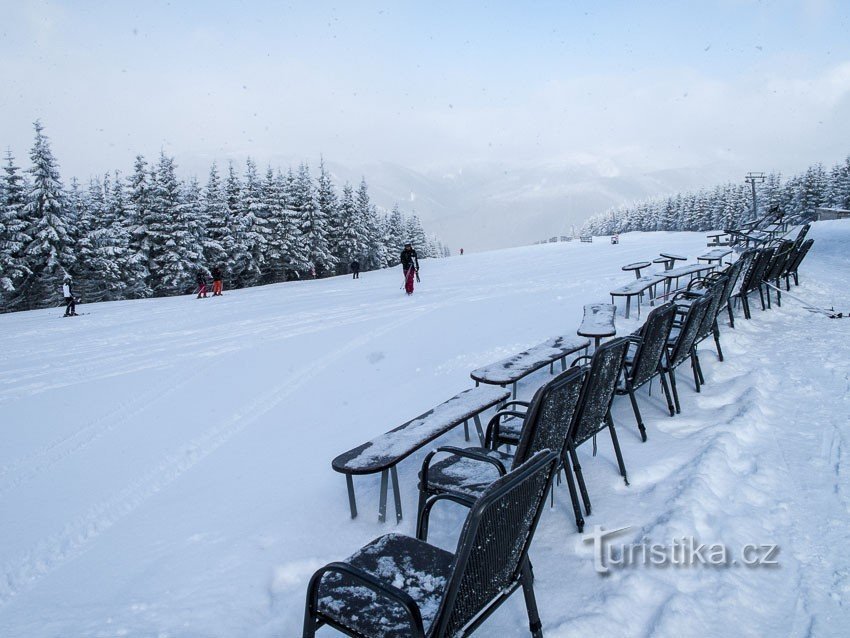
<point>669,260</point>
<point>637,266</point>
<point>598,322</point>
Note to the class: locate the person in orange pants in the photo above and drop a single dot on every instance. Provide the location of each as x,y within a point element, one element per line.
<point>216,275</point>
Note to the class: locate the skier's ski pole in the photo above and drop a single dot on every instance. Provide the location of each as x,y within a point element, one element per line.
<point>829,312</point>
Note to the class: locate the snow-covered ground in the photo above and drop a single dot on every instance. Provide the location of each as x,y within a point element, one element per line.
<point>165,464</point>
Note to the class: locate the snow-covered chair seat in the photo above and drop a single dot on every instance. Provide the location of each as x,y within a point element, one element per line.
<point>593,414</point>
<point>400,587</point>
<point>466,472</point>
<point>513,368</point>
<point>644,360</point>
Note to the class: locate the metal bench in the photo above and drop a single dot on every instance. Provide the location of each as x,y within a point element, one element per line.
<point>383,453</point>
<point>682,271</point>
<point>513,368</point>
<point>715,254</point>
<point>636,288</point>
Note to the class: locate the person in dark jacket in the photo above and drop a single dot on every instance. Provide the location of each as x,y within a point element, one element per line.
<point>354,266</point>
<point>202,285</point>
<point>68,294</point>
<point>216,275</point>
<point>410,266</point>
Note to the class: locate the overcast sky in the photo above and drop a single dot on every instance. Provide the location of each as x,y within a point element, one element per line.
<point>620,86</point>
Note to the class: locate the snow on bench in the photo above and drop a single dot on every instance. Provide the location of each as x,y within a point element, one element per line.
<point>636,288</point>
<point>384,452</point>
<point>598,321</point>
<point>513,368</point>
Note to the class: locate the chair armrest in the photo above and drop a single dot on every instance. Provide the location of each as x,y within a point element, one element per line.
<point>584,356</point>
<point>492,432</point>
<point>425,514</point>
<point>367,580</point>
<point>524,404</point>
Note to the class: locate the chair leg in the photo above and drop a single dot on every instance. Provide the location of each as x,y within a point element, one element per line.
<point>638,418</point>
<point>697,368</point>
<point>667,393</point>
<point>534,624</point>
<point>745,303</point>
<point>761,296</point>
<point>421,506</point>
<point>580,479</point>
<point>617,447</point>
<point>731,314</point>
<point>675,391</point>
<point>571,484</point>
<point>716,331</point>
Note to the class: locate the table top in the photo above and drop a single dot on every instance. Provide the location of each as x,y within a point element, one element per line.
<point>672,256</point>
<point>637,265</point>
<point>598,320</point>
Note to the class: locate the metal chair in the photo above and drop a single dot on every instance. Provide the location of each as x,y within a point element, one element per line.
<point>645,361</point>
<point>403,587</point>
<point>680,345</point>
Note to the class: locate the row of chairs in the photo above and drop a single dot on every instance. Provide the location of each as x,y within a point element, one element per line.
<point>398,586</point>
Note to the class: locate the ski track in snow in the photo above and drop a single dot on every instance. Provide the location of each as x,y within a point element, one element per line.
<point>48,554</point>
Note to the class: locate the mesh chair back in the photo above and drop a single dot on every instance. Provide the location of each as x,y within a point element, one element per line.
<point>653,340</point>
<point>681,349</point>
<point>598,391</point>
<point>550,415</point>
<point>744,263</point>
<point>780,258</point>
<point>798,257</point>
<point>715,294</point>
<point>801,236</point>
<point>494,543</point>
<point>755,274</point>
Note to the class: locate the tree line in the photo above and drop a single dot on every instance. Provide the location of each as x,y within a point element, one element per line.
<point>729,205</point>
<point>150,233</point>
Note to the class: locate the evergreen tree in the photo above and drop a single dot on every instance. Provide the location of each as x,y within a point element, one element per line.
<point>312,224</point>
<point>215,222</point>
<point>138,211</point>
<point>48,255</point>
<point>13,236</point>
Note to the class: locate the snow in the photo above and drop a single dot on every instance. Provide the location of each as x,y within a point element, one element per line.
<point>518,365</point>
<point>165,463</point>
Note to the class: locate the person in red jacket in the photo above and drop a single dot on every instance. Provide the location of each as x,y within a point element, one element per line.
<point>410,266</point>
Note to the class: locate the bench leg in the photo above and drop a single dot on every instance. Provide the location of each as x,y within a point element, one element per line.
<point>466,430</point>
<point>396,493</point>
<point>352,502</point>
<point>513,386</point>
<point>479,430</point>
<point>382,504</point>
<point>563,363</point>
<point>628,305</point>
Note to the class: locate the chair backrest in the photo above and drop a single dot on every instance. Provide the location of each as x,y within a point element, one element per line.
<point>743,263</point>
<point>798,257</point>
<point>715,294</point>
<point>549,416</point>
<point>688,331</point>
<point>653,340</point>
<point>598,390</point>
<point>801,236</point>
<point>780,257</point>
<point>755,274</point>
<point>493,544</point>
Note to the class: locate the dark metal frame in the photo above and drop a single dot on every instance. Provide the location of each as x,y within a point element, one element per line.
<point>647,361</point>
<point>682,347</point>
<point>490,564</point>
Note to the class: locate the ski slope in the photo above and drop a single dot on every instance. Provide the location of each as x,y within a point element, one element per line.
<point>165,463</point>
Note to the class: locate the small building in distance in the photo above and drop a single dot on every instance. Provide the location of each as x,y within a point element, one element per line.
<point>832,213</point>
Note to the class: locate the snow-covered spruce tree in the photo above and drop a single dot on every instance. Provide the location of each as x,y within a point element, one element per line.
<point>250,230</point>
<point>137,213</point>
<point>13,235</point>
<point>839,194</point>
<point>328,204</point>
<point>376,255</point>
<point>353,240</point>
<point>48,255</point>
<point>101,247</point>
<point>415,234</point>
<point>215,221</point>
<point>284,253</point>
<point>312,224</point>
<point>174,254</point>
<point>130,266</point>
<point>396,236</point>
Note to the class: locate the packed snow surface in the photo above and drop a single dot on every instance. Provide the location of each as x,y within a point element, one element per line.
<point>165,463</point>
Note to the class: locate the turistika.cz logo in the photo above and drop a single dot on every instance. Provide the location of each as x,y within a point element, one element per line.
<point>684,551</point>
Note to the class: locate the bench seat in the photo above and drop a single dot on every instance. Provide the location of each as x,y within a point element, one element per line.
<point>715,254</point>
<point>384,452</point>
<point>513,368</point>
<point>598,321</point>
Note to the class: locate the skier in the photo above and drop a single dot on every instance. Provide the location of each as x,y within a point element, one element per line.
<point>461,251</point>
<point>355,269</point>
<point>70,302</point>
<point>202,285</point>
<point>410,266</point>
<point>216,275</point>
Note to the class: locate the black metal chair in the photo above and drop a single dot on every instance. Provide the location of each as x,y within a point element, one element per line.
<point>680,345</point>
<point>593,414</point>
<point>794,263</point>
<point>466,472</point>
<point>782,255</point>
<point>403,587</point>
<point>753,277</point>
<point>708,325</point>
<point>644,360</point>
